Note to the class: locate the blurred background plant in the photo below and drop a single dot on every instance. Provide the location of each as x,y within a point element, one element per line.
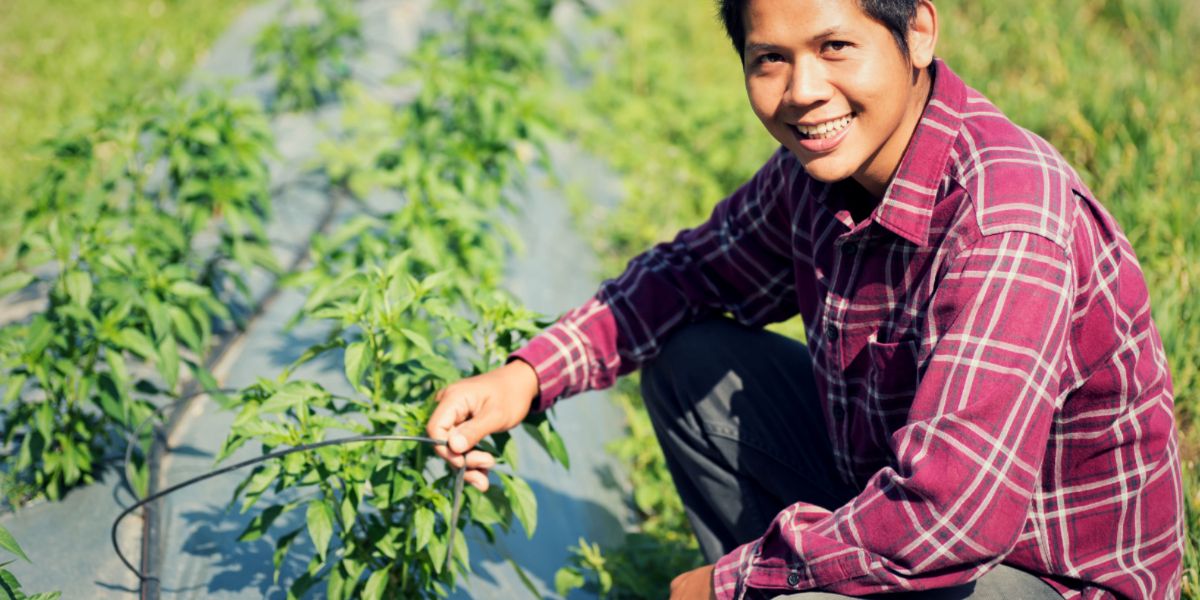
<point>308,53</point>
<point>112,233</point>
<point>65,60</point>
<point>8,582</point>
<point>411,297</point>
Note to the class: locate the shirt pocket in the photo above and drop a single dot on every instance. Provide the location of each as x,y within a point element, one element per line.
<point>892,380</point>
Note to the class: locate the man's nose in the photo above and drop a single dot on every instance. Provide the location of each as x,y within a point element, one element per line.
<point>809,83</point>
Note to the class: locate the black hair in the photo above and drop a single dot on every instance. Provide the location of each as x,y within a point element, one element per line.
<point>896,15</point>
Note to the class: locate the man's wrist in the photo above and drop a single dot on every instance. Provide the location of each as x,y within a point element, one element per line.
<point>525,379</point>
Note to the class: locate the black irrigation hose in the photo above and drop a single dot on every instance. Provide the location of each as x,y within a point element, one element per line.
<point>131,438</point>
<point>456,502</point>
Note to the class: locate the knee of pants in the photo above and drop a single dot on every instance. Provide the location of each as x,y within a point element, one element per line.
<point>694,348</point>
<point>691,362</point>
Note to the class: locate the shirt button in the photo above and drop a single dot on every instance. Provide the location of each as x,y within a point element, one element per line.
<point>839,412</point>
<point>793,580</point>
<point>831,332</point>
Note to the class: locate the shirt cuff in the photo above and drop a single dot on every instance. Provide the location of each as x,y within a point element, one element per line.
<point>729,574</point>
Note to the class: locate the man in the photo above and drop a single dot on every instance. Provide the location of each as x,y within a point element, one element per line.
<point>983,406</point>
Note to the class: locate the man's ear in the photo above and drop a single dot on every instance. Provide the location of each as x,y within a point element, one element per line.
<point>923,34</point>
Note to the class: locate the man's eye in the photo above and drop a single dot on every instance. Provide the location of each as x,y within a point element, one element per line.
<point>836,45</point>
<point>770,57</point>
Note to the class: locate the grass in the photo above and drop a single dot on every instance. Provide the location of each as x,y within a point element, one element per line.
<point>1111,83</point>
<point>61,60</point>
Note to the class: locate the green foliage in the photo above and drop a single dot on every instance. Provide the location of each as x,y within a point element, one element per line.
<point>641,566</point>
<point>379,515</point>
<point>309,58</point>
<point>9,586</point>
<point>646,561</point>
<point>667,110</point>
<point>115,221</point>
<point>411,300</point>
<point>670,115</point>
<point>64,60</point>
<point>1191,551</point>
<point>585,558</point>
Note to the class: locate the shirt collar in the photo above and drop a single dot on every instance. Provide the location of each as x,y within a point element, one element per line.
<point>907,205</point>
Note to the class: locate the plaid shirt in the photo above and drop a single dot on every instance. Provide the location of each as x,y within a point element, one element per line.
<point>992,380</point>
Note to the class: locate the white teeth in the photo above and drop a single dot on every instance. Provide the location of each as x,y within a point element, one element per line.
<point>826,129</point>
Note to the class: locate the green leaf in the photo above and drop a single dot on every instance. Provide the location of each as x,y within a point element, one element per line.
<point>13,282</point>
<point>79,287</point>
<point>418,340</point>
<point>281,549</point>
<point>260,481</point>
<point>376,585</point>
<point>136,342</point>
<point>10,585</point>
<point>355,365</point>
<point>293,395</point>
<point>207,135</point>
<point>118,367</point>
<point>303,583</point>
<point>168,361</point>
<point>336,588</point>
<point>9,543</point>
<point>320,525</point>
<point>524,503</point>
<point>13,387</point>
<point>482,509</point>
<point>348,509</point>
<point>550,441</point>
<point>508,453</point>
<point>567,579</point>
<point>187,289</point>
<point>160,319</point>
<point>423,524</point>
<point>524,577</point>
<point>261,522</point>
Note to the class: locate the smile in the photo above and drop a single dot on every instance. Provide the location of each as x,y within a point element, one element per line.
<point>824,130</point>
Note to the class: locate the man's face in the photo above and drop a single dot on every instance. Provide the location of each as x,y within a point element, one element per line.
<point>830,83</point>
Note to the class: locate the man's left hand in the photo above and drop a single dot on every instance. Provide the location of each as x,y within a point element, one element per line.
<point>696,584</point>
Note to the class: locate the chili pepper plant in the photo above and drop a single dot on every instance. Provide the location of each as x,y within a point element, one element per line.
<point>308,54</point>
<point>131,305</point>
<point>411,299</point>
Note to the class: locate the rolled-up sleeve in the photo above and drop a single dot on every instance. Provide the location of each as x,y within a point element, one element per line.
<point>739,261</point>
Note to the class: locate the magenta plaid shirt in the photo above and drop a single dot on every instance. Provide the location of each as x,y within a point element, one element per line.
<point>992,380</point>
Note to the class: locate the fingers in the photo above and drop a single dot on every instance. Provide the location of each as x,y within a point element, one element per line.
<point>467,412</point>
<point>475,459</point>
<point>467,434</point>
<point>477,478</point>
<point>446,415</point>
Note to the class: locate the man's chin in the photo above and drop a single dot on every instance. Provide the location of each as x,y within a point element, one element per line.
<point>825,173</point>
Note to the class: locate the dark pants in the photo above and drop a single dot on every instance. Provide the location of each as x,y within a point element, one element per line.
<point>737,414</point>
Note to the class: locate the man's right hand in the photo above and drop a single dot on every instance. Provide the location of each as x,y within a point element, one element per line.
<point>476,407</point>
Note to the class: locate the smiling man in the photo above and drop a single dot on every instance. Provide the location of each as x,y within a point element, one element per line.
<point>982,408</point>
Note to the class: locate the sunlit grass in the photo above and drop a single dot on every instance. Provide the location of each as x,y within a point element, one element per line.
<point>62,59</point>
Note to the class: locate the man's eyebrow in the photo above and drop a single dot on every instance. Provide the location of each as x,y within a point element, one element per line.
<point>828,33</point>
<point>834,31</point>
<point>762,47</point>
